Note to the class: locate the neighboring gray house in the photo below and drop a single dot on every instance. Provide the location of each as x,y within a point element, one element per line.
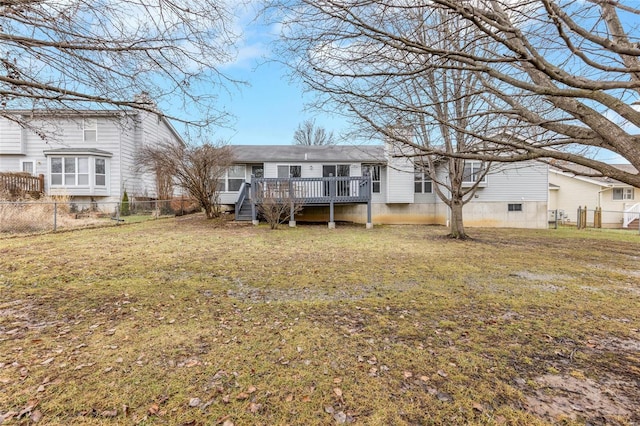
<point>512,195</point>
<point>87,155</point>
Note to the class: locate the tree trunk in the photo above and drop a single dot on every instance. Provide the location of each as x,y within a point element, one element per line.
<point>456,225</point>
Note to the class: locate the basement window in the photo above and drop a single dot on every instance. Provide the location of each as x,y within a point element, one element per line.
<point>516,207</point>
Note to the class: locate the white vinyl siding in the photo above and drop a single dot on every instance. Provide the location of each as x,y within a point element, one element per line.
<point>11,135</point>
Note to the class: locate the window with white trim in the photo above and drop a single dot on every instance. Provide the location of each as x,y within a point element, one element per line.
<point>101,172</point>
<point>472,172</point>
<point>77,171</point>
<point>422,182</point>
<point>90,129</point>
<point>235,177</point>
<point>289,171</point>
<point>622,194</point>
<point>372,170</point>
<point>28,167</point>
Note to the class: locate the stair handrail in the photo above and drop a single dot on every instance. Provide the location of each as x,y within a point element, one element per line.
<point>242,195</point>
<point>631,214</point>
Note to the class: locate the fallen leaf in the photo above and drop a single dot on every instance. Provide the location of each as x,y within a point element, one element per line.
<point>47,361</point>
<point>251,389</point>
<point>40,388</point>
<point>36,416</point>
<point>192,363</point>
<point>442,373</point>
<point>153,409</point>
<point>110,413</point>
<point>337,380</point>
<point>194,402</point>
<point>306,398</point>
<point>228,423</point>
<point>338,392</point>
<point>340,417</point>
<point>478,407</point>
<point>289,398</point>
<point>226,399</point>
<point>407,374</point>
<point>424,378</point>
<point>329,409</point>
<point>254,407</point>
<point>242,396</point>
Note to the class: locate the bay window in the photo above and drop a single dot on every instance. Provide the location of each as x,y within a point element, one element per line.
<point>83,173</point>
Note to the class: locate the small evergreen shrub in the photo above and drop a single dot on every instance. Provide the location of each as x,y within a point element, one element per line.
<point>124,206</point>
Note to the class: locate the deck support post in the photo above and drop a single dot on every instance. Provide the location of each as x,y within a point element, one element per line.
<point>369,223</point>
<point>292,217</point>
<point>254,216</point>
<point>332,223</point>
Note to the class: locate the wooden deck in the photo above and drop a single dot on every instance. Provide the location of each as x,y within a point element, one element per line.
<point>326,191</point>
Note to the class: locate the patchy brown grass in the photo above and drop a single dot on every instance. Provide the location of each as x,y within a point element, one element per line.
<point>181,322</point>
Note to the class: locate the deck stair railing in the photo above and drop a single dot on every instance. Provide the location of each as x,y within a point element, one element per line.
<point>631,214</point>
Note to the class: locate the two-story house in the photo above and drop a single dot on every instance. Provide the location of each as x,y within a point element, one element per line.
<point>90,156</point>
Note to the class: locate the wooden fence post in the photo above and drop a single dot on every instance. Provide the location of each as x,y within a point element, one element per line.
<point>597,217</point>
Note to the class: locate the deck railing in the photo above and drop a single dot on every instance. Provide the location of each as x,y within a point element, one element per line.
<point>242,195</point>
<point>22,182</point>
<point>324,190</point>
<point>631,214</point>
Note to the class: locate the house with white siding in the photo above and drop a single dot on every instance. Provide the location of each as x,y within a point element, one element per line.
<point>571,188</point>
<point>87,155</point>
<point>367,184</point>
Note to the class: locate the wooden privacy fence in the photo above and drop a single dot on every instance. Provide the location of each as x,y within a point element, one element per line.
<point>22,182</point>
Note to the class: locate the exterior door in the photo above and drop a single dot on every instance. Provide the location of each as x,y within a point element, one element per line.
<point>328,171</point>
<point>341,188</point>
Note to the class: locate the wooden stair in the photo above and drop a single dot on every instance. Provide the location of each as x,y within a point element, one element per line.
<point>245,212</point>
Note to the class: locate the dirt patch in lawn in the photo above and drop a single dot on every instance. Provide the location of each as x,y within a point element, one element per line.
<point>596,403</point>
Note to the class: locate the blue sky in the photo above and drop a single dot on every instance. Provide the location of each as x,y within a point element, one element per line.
<point>267,110</point>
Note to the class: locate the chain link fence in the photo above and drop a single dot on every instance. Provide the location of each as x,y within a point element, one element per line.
<point>30,217</point>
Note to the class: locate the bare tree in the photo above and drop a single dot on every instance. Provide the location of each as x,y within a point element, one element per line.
<point>278,201</point>
<point>79,54</point>
<point>564,74</point>
<point>308,134</point>
<point>198,169</point>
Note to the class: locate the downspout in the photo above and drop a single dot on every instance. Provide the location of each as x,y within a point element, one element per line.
<point>600,195</point>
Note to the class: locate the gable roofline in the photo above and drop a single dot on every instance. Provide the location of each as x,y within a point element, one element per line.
<point>71,113</point>
<point>612,183</point>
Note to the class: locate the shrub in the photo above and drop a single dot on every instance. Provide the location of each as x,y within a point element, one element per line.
<point>124,207</point>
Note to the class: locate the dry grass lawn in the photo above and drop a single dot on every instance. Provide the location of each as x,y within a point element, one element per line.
<point>179,322</point>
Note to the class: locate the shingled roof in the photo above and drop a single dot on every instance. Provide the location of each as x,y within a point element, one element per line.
<point>301,153</point>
